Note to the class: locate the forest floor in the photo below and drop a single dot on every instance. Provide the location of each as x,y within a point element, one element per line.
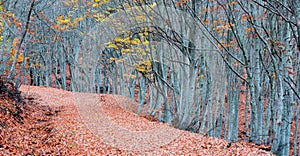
<point>56,122</point>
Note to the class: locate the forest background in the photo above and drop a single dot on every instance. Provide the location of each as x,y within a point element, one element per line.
<point>191,63</point>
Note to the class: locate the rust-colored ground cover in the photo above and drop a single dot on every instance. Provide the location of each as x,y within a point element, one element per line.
<point>59,122</point>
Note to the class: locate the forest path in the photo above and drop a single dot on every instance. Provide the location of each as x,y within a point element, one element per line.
<point>123,130</point>
<point>107,118</point>
<point>100,124</point>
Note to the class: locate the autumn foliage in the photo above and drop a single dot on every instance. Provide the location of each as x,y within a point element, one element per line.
<point>25,127</point>
<point>182,3</point>
<point>28,128</point>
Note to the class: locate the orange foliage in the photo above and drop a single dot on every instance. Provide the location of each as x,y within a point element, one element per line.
<point>182,3</point>
<point>246,17</point>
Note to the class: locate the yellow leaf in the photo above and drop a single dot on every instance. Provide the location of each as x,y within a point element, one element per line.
<point>64,21</point>
<point>112,59</point>
<point>20,58</point>
<point>274,75</point>
<point>141,69</point>
<point>127,40</point>
<point>126,50</point>
<point>119,39</point>
<point>112,46</point>
<point>132,76</point>
<point>146,42</point>
<point>76,20</point>
<point>135,41</point>
<point>95,5</point>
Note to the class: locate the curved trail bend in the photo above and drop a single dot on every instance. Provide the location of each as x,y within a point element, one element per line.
<point>107,118</point>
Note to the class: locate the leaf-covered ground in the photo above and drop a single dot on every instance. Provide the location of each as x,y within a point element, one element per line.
<point>57,122</point>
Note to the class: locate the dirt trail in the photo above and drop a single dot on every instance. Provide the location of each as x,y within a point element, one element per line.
<point>99,124</point>
<point>107,119</point>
